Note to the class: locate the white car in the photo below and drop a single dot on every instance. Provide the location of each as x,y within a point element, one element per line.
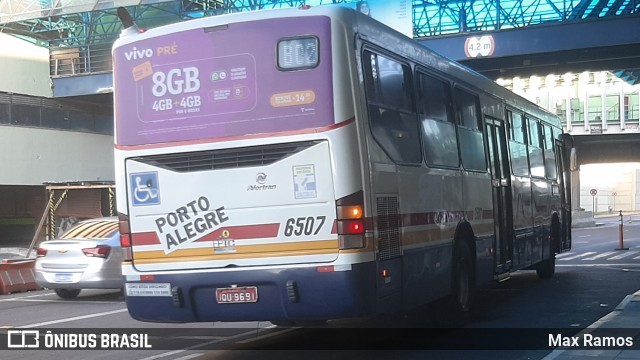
<point>87,256</point>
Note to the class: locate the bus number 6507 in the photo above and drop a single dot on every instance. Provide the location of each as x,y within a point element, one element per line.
<point>304,225</point>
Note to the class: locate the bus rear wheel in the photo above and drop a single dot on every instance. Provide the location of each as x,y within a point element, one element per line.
<point>547,268</point>
<point>463,279</point>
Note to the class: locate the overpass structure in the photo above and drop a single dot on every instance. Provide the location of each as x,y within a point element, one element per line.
<point>528,35</point>
<point>578,58</point>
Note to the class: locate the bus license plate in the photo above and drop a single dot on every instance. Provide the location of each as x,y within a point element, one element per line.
<point>234,295</point>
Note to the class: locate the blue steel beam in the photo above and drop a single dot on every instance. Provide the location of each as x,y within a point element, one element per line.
<point>435,18</point>
<point>540,50</point>
<point>575,36</point>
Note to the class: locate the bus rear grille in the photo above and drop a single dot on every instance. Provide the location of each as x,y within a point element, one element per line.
<point>226,158</point>
<point>388,223</point>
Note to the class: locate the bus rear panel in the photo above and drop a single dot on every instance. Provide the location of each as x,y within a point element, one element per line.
<point>251,230</point>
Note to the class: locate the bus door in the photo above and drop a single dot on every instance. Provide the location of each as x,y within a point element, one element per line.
<point>501,188</point>
<point>563,148</point>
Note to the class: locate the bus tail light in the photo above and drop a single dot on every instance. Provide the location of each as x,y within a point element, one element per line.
<point>350,227</point>
<point>350,221</point>
<point>125,236</point>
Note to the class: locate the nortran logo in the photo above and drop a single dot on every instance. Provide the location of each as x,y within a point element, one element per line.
<point>261,179</point>
<point>136,54</point>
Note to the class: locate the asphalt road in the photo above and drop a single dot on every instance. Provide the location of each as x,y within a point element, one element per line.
<point>590,281</point>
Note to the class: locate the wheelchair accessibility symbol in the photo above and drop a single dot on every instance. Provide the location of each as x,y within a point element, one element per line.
<point>144,188</point>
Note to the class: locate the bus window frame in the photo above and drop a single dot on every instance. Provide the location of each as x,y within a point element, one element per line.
<point>549,145</point>
<point>366,50</point>
<point>479,123</point>
<point>531,146</point>
<point>512,130</point>
<point>513,139</point>
<point>449,108</point>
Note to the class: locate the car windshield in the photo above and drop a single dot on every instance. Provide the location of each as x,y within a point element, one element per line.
<point>100,229</point>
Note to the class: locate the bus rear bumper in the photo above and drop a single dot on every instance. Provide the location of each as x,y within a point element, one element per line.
<point>281,294</point>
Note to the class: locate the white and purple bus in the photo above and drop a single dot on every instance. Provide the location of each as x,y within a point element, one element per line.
<point>310,164</point>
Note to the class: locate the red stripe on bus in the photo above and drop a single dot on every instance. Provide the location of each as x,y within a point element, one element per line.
<point>233,138</point>
<point>428,218</point>
<point>271,230</point>
<point>144,238</point>
<point>234,232</point>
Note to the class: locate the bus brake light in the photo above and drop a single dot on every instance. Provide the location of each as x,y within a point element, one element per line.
<point>350,227</point>
<point>125,236</point>
<point>350,221</point>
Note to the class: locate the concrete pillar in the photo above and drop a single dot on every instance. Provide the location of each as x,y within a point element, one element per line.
<point>603,104</point>
<point>585,103</point>
<point>575,189</point>
<point>621,106</point>
<point>569,113</point>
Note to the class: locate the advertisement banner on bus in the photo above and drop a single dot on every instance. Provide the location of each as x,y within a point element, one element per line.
<point>204,83</point>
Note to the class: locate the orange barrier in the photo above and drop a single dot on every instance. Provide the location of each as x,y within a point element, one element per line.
<point>17,275</point>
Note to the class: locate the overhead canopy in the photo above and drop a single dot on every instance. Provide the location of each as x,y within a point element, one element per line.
<point>18,10</point>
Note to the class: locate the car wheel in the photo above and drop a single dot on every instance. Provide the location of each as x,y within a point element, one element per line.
<point>67,293</point>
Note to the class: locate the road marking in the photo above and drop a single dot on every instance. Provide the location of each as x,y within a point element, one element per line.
<point>601,255</point>
<point>265,336</point>
<point>187,357</point>
<point>25,297</point>
<point>623,255</point>
<point>579,255</point>
<point>609,266</point>
<point>72,319</point>
<point>564,255</point>
<point>197,346</point>
<point>64,301</point>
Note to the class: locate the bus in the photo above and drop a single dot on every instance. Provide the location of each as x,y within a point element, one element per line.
<point>305,164</point>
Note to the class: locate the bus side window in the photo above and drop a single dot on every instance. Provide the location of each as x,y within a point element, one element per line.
<point>536,157</point>
<point>469,131</point>
<point>549,154</point>
<point>392,130</point>
<point>440,143</point>
<point>392,118</point>
<point>517,144</point>
<point>517,129</point>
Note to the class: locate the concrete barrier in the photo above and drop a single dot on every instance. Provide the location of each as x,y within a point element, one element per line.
<point>17,275</point>
<point>582,219</point>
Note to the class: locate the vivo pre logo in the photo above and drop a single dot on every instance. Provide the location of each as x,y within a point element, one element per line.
<point>136,54</point>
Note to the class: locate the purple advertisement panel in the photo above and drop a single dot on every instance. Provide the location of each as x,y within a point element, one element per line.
<point>265,76</point>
